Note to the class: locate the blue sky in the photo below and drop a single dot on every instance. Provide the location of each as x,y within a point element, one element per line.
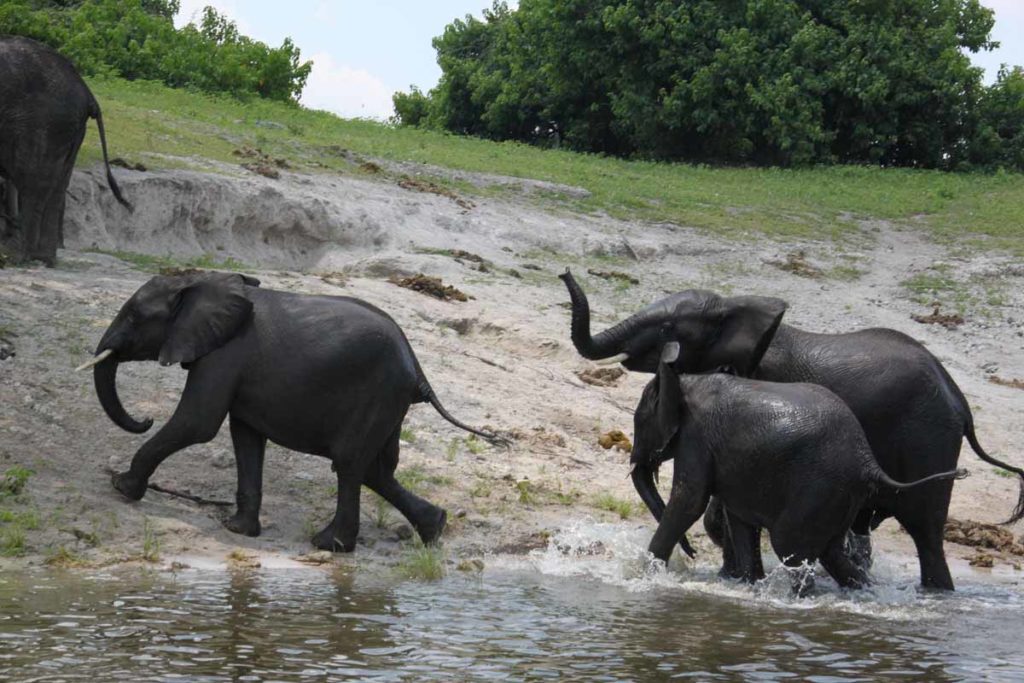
<point>363,51</point>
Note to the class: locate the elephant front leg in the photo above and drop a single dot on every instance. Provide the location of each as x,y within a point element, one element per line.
<point>250,446</point>
<point>340,535</point>
<point>686,504</point>
<point>197,419</point>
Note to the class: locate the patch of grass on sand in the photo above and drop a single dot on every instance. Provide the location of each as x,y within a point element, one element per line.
<point>608,501</point>
<point>176,128</point>
<point>422,562</point>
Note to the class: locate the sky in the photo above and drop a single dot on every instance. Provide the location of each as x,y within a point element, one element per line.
<point>365,50</point>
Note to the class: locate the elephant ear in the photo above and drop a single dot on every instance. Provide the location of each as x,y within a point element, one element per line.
<point>747,325</point>
<point>209,311</point>
<point>669,413</point>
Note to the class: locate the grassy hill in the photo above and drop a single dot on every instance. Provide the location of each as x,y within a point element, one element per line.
<point>161,127</point>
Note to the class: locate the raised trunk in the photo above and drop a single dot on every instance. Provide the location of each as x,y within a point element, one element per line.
<point>605,344</point>
<point>105,377</point>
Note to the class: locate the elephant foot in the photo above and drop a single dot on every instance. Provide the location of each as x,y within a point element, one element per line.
<point>245,525</point>
<point>431,532</point>
<point>129,486</point>
<point>858,547</point>
<point>329,539</point>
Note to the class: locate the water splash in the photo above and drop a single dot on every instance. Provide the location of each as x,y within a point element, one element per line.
<point>616,554</point>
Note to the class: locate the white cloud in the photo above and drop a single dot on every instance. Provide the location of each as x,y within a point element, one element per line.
<point>348,92</point>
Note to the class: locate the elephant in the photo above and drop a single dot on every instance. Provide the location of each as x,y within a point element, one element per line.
<point>912,412</point>
<point>44,107</point>
<point>789,457</point>
<point>325,375</point>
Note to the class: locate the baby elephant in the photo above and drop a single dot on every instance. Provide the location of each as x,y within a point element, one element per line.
<point>331,376</point>
<point>791,458</point>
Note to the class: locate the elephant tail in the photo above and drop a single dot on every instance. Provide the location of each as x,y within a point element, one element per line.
<point>1018,512</point>
<point>885,480</point>
<point>427,394</point>
<point>98,115</point>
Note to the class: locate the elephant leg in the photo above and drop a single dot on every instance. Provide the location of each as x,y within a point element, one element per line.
<point>197,419</point>
<point>250,446</point>
<point>340,534</point>
<point>927,531</point>
<point>428,519</point>
<point>794,549</point>
<point>841,566</point>
<point>689,499</point>
<point>741,550</point>
<point>858,539</point>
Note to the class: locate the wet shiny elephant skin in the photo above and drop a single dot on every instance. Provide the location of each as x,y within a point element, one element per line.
<point>912,412</point>
<point>325,375</point>
<point>788,457</point>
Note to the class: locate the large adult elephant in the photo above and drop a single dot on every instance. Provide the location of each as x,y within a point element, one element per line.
<point>44,108</point>
<point>911,410</point>
<point>325,375</point>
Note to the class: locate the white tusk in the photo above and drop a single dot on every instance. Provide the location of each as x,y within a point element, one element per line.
<point>100,357</point>
<point>618,358</point>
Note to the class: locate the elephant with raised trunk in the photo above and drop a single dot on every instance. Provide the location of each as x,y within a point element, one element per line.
<point>44,108</point>
<point>911,410</point>
<point>325,375</point>
<point>789,457</point>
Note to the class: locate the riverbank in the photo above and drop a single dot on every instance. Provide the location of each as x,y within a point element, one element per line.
<point>502,358</point>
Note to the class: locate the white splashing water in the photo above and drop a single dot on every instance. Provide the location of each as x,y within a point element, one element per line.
<point>616,554</point>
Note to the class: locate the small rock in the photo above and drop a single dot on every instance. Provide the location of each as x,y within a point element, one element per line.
<point>474,565</point>
<point>316,557</point>
<point>403,532</point>
<point>460,513</point>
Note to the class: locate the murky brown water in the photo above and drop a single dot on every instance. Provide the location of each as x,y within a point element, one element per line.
<point>578,618</point>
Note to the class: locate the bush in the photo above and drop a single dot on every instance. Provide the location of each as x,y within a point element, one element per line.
<point>136,39</point>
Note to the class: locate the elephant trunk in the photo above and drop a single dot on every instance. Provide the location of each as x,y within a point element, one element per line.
<point>643,481</point>
<point>606,343</point>
<point>105,377</point>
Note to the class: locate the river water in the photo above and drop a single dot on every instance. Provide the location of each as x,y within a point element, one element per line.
<point>590,607</point>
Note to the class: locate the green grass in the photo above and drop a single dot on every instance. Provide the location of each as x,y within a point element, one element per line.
<point>150,543</point>
<point>145,120</point>
<point>422,562</point>
<point>14,480</point>
<point>608,501</point>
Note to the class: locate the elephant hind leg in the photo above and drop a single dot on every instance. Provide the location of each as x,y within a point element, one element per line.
<point>927,534</point>
<point>341,532</point>
<point>428,519</point>
<point>841,567</point>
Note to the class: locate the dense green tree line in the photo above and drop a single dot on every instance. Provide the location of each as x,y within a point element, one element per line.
<point>136,39</point>
<point>780,82</point>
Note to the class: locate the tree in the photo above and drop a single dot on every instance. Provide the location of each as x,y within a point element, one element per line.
<point>740,81</point>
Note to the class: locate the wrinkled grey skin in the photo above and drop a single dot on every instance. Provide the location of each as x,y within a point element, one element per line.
<point>788,457</point>
<point>330,376</point>
<point>44,108</point>
<point>912,412</point>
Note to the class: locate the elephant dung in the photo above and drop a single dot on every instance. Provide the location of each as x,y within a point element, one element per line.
<point>431,286</point>
<point>601,377</point>
<point>950,321</point>
<point>615,439</point>
<point>1002,381</point>
<point>981,535</point>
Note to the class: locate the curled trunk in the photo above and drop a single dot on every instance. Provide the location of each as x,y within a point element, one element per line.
<point>105,377</point>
